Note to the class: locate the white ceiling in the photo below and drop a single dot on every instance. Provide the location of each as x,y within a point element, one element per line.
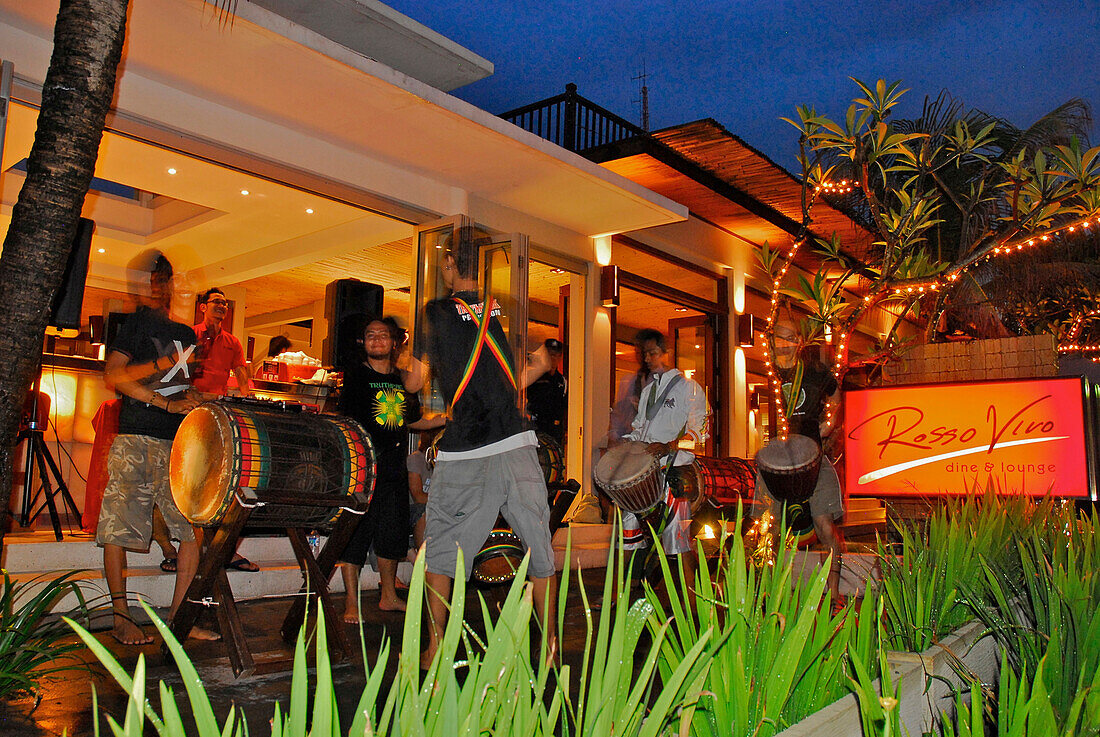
<point>241,237</point>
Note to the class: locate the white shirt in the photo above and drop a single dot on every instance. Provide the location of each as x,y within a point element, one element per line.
<point>684,409</point>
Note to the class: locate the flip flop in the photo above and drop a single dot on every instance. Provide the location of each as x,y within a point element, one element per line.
<point>242,564</point>
<point>168,565</point>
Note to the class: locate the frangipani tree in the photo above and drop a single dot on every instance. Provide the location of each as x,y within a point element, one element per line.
<point>962,178</point>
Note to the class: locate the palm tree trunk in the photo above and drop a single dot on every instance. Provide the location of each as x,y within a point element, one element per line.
<point>77,94</point>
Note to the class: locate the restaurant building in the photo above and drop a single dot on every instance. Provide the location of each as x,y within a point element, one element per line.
<point>291,145</point>
<point>272,154</point>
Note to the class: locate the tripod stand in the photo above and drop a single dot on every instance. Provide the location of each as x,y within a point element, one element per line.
<point>37,455</point>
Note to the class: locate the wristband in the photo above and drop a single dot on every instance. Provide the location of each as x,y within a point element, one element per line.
<point>167,404</point>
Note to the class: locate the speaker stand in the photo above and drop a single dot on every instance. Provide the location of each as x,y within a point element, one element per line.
<point>37,456</point>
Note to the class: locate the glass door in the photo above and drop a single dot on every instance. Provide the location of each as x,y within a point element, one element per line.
<point>557,289</point>
<point>502,275</point>
<point>693,342</point>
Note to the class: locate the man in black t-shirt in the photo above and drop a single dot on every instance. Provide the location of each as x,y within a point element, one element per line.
<point>374,395</point>
<point>486,463</point>
<point>808,386</point>
<point>149,366</point>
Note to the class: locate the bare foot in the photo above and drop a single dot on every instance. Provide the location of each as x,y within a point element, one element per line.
<point>200,633</point>
<point>396,604</point>
<point>128,633</point>
<point>553,656</point>
<point>351,615</point>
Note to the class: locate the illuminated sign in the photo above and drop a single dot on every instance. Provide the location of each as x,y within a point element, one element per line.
<point>1023,436</point>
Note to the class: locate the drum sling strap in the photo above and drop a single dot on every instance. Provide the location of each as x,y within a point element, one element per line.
<point>653,406</point>
<point>484,338</point>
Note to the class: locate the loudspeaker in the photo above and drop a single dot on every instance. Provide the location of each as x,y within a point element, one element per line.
<point>349,305</point>
<point>65,310</point>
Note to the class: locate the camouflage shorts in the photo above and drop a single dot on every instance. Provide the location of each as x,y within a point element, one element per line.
<point>137,467</point>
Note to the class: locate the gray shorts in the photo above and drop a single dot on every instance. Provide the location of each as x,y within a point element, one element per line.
<point>467,495</point>
<point>137,468</point>
<point>826,500</point>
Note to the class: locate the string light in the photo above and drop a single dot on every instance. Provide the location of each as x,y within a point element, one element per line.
<point>997,251</point>
<point>842,187</point>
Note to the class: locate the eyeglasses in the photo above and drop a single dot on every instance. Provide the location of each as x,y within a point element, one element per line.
<point>217,301</point>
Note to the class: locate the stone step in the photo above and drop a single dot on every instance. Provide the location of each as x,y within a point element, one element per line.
<point>30,556</point>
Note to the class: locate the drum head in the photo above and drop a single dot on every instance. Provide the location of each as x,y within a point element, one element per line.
<point>624,464</point>
<point>201,464</point>
<point>788,456</point>
<point>499,558</point>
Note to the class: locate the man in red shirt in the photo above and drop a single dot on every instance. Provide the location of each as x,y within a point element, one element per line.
<point>219,353</point>
<point>219,350</point>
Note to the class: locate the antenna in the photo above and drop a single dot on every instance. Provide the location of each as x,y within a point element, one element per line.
<point>644,98</point>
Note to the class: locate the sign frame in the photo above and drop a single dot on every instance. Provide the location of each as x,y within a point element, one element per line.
<point>1088,393</point>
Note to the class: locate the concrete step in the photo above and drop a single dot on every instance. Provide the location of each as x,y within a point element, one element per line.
<point>28,556</point>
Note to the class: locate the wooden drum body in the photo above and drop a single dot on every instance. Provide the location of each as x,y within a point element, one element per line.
<point>719,481</point>
<point>278,452</point>
<point>499,557</point>
<point>631,476</point>
<point>789,467</point>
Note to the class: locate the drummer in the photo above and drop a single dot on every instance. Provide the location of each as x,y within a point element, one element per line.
<point>671,407</point>
<point>148,364</point>
<point>219,353</point>
<point>375,395</point>
<point>808,400</point>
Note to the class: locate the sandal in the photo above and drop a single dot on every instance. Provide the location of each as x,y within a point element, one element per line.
<point>242,564</point>
<point>168,565</point>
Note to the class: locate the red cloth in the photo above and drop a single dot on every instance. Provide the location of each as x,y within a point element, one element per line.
<point>105,424</point>
<point>220,354</point>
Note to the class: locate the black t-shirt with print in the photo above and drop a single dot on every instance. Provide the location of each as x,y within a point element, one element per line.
<point>146,336</point>
<point>486,412</point>
<point>818,384</point>
<point>384,408</point>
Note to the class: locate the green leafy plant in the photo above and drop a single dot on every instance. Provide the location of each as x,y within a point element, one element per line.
<point>924,573</point>
<point>778,654</point>
<point>487,687</point>
<point>32,645</point>
<point>1023,707</point>
<point>1048,621</point>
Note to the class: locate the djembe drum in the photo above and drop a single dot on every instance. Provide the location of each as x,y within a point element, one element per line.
<point>274,449</point>
<point>790,469</point>
<point>631,476</point>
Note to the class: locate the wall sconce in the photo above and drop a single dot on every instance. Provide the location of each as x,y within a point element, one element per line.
<point>97,335</point>
<point>609,286</point>
<point>754,399</point>
<point>745,328</point>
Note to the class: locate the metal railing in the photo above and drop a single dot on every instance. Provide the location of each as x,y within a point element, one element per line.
<point>572,122</point>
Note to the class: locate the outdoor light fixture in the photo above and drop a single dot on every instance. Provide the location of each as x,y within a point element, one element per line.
<point>609,286</point>
<point>745,330</point>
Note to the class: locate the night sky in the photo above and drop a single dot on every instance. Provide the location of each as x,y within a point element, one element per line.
<point>746,63</point>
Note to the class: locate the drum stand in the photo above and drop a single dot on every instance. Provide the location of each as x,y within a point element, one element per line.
<point>210,587</point>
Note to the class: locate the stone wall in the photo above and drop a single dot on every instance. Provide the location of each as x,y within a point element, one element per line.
<point>1023,357</point>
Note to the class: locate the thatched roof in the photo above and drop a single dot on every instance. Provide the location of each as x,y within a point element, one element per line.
<point>724,180</point>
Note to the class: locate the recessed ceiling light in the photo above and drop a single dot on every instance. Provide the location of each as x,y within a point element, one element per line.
<point>244,192</point>
<point>309,211</point>
<point>439,246</point>
<point>171,170</point>
<point>103,250</point>
<point>681,309</point>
